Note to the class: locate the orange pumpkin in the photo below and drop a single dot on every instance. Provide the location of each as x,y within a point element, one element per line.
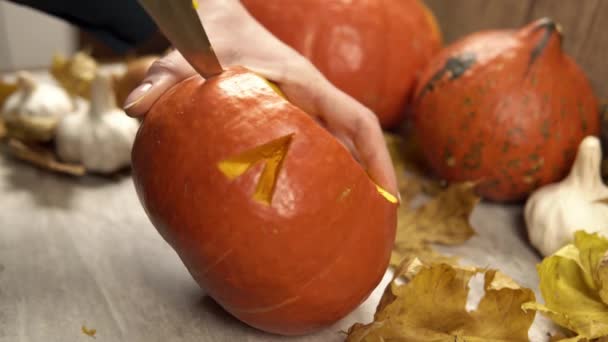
<point>270,214</point>
<point>506,108</point>
<point>372,50</point>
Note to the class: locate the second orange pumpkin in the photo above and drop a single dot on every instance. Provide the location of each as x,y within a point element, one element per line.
<point>372,50</point>
<point>505,108</point>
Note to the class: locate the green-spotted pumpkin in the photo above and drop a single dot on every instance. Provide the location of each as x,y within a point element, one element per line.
<point>504,108</point>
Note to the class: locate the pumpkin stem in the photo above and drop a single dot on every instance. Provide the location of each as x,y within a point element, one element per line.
<point>102,95</point>
<point>550,28</point>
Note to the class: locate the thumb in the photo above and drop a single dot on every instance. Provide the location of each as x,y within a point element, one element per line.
<point>162,75</point>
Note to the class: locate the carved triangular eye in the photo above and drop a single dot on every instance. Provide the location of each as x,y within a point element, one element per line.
<point>272,153</point>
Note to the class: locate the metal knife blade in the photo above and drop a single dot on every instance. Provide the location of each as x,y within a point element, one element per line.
<point>180,23</point>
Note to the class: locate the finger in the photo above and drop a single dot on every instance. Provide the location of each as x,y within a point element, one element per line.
<point>162,75</point>
<point>345,140</point>
<point>341,112</point>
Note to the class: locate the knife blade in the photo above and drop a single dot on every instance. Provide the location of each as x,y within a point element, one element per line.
<point>179,22</point>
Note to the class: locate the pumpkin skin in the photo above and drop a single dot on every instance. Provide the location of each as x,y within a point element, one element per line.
<point>371,50</point>
<point>292,266</point>
<point>504,108</point>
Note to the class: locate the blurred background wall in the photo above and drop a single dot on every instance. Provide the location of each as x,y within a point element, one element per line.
<point>29,38</point>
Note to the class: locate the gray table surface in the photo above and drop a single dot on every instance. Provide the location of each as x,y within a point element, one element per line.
<point>79,252</point>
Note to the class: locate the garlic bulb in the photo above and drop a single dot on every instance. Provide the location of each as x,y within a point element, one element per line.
<point>554,212</point>
<point>101,138</point>
<point>33,110</point>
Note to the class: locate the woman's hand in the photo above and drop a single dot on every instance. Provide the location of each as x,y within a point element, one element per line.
<point>238,39</point>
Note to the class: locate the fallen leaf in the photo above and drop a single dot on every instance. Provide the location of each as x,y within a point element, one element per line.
<point>411,174</point>
<point>3,131</point>
<point>443,220</point>
<point>6,89</point>
<point>88,332</point>
<point>431,306</point>
<point>409,187</point>
<point>43,158</point>
<point>573,283</point>
<point>75,74</point>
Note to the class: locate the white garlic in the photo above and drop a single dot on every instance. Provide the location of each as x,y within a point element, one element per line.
<point>556,211</point>
<point>34,109</point>
<point>101,138</point>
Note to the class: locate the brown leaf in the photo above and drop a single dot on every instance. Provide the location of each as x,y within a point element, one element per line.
<point>2,129</point>
<point>75,74</point>
<point>42,157</point>
<point>409,186</point>
<point>411,174</point>
<point>442,220</point>
<point>431,306</point>
<point>6,89</point>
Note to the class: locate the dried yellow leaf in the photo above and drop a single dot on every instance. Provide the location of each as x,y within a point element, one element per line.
<point>6,89</point>
<point>3,131</point>
<point>411,175</point>
<point>431,306</point>
<point>442,220</point>
<point>573,284</point>
<point>75,74</point>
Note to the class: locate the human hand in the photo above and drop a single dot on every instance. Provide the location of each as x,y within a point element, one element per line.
<point>238,39</point>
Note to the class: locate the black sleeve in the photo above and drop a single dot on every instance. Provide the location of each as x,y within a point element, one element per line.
<point>121,24</point>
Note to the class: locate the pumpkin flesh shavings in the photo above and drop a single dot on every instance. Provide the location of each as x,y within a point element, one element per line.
<point>574,285</point>
<point>444,219</point>
<point>431,306</point>
<point>89,332</point>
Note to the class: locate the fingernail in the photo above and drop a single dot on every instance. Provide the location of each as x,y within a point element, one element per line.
<point>137,94</point>
<point>399,197</point>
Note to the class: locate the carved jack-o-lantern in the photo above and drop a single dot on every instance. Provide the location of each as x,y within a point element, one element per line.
<point>270,214</point>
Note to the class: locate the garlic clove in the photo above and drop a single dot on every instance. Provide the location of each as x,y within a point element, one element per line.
<point>586,170</point>
<point>33,110</point>
<point>103,98</point>
<point>100,138</point>
<point>554,212</point>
